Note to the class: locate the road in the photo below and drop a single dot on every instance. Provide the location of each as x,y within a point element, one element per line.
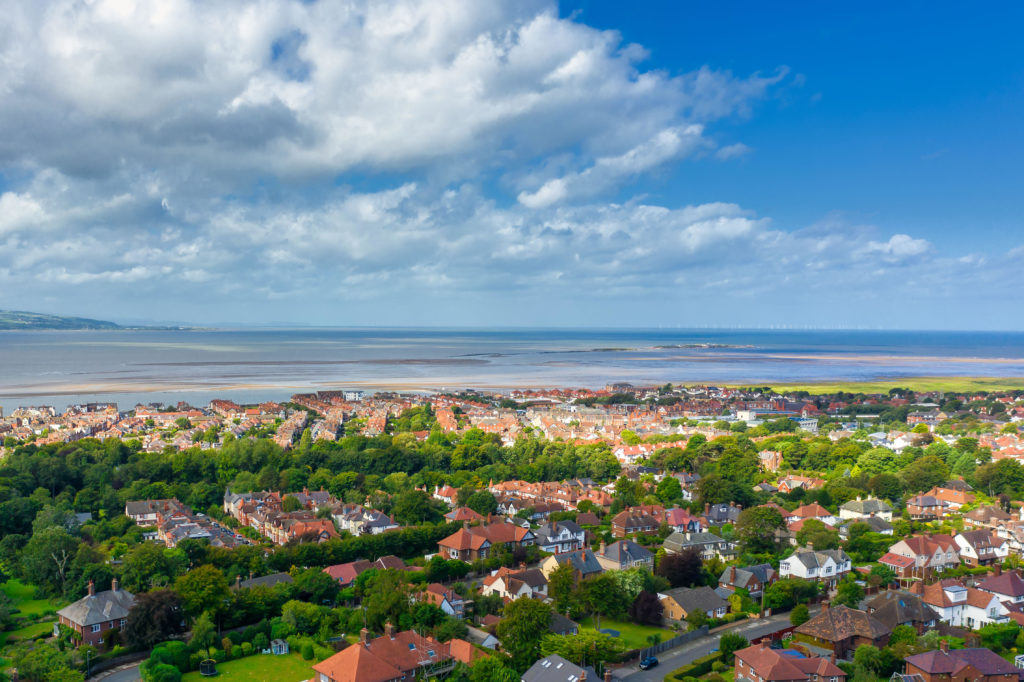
<point>691,651</point>
<point>126,675</point>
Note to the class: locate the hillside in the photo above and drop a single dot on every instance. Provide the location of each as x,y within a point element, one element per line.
<point>17,319</point>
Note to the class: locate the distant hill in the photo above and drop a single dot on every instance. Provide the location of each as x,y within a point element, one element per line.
<point>17,319</point>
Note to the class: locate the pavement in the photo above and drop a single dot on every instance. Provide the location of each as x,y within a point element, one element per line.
<point>691,651</point>
<point>128,673</point>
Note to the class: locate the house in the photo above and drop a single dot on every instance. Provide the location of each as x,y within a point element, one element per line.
<point>814,511</point>
<point>271,580</point>
<point>959,665</point>
<point>629,522</point>
<point>761,663</point>
<point>511,584</point>
<point>926,507</point>
<point>682,601</point>
<point>981,547</point>
<point>560,536</point>
<point>624,554</point>
<point>346,574</point>
<point>753,579</point>
<point>482,638</point>
<point>391,657</point>
<point>962,606</point>
<point>953,497</point>
<point>874,523</point>
<point>560,625</point>
<point>708,544</point>
<point>896,607</point>
<point>554,668</point>
<point>583,561</point>
<point>931,553</point>
<point>827,565</point>
<point>445,599</point>
<point>471,543</point>
<point>842,629</point>
<point>720,514</point>
<point>147,512</point>
<point>463,515</point>
<point>986,516</point>
<point>95,614</point>
<point>770,460</point>
<point>682,521</point>
<point>870,507</point>
<point>902,566</point>
<point>788,484</point>
<point>1009,586</point>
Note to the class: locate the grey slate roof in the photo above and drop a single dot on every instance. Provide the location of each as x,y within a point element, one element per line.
<point>763,573</point>
<point>554,668</point>
<point>560,625</point>
<point>583,560</point>
<point>99,608</point>
<point>876,523</point>
<point>868,506</point>
<point>677,542</point>
<point>268,580</point>
<point>626,552</point>
<point>816,559</point>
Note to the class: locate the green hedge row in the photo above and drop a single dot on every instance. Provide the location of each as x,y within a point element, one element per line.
<point>701,666</point>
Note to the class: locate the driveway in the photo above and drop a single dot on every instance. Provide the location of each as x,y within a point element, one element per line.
<point>691,651</point>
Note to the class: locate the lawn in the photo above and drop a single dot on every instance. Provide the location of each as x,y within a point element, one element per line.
<point>29,631</point>
<point>22,597</point>
<point>632,635</point>
<point>287,668</point>
<point>947,384</point>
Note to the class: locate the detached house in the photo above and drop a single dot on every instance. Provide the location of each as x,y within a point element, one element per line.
<point>866,508</point>
<point>631,522</point>
<point>682,601</point>
<point>761,663</point>
<point>753,579</point>
<point>471,543</point>
<point>624,554</point>
<point>926,507</point>
<point>511,584</point>
<point>954,497</point>
<point>896,607</point>
<point>1009,586</point>
<point>930,554</point>
<point>827,566</point>
<point>583,561</point>
<point>962,606</point>
<point>842,630</point>
<point>560,536</point>
<point>96,613</point>
<point>956,665</point>
<point>445,599</point>
<point>981,547</point>
<point>708,544</point>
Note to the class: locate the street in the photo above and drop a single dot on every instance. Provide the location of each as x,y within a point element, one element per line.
<point>691,651</point>
<point>130,674</point>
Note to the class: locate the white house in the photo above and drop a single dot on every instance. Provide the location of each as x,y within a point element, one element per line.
<point>827,566</point>
<point>962,606</point>
<point>558,537</point>
<point>981,547</point>
<point>866,508</point>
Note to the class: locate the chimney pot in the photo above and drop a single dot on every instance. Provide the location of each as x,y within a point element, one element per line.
<point>607,676</point>
<point>92,589</point>
<point>944,645</point>
<point>115,585</point>
<point>998,569</point>
<point>389,630</point>
<point>364,637</point>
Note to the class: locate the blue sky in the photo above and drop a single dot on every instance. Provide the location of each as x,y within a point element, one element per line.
<point>513,163</point>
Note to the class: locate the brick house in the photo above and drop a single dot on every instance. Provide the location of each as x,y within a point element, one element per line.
<point>97,613</point>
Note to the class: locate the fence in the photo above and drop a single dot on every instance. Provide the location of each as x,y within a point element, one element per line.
<point>685,637</point>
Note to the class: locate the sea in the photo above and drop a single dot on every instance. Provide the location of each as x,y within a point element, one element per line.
<point>128,367</point>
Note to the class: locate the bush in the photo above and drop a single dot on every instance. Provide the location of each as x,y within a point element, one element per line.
<point>194,660</point>
<point>260,641</point>
<point>718,667</point>
<point>236,651</point>
<point>701,666</point>
<point>307,651</point>
<point>321,652</point>
<point>246,648</point>
<point>218,655</point>
<point>162,672</point>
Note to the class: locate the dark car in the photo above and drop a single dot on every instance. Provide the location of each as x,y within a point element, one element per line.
<point>648,663</point>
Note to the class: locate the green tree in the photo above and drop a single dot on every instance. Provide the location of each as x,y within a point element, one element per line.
<point>799,615</point>
<point>817,534</point>
<point>755,529</point>
<point>385,598</point>
<point>730,643</point>
<point>586,648</point>
<point>669,490</point>
<point>290,503</point>
<point>561,587</point>
<point>524,624</point>
<point>204,632</point>
<point>482,502</point>
<point>154,617</point>
<point>414,507</point>
<point>849,593</point>
<point>203,589</point>
<point>603,596</point>
<point>46,559</point>
<point>492,669</point>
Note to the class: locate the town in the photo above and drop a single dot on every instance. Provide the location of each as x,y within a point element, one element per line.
<point>635,532</point>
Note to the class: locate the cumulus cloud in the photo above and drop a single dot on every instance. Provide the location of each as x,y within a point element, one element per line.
<point>225,159</point>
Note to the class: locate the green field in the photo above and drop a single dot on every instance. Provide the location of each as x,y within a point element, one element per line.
<point>22,597</point>
<point>919,384</point>
<point>288,668</point>
<point>28,632</point>
<point>632,635</point>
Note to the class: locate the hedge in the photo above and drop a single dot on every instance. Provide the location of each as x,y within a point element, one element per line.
<point>699,667</point>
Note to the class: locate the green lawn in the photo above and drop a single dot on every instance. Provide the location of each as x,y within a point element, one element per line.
<point>288,668</point>
<point>948,384</point>
<point>29,631</point>
<point>22,596</point>
<point>632,635</point>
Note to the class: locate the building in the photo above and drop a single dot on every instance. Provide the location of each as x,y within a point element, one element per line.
<point>445,599</point>
<point>962,606</point>
<point>953,497</point>
<point>981,547</point>
<point>960,665</point>
<point>471,543</point>
<point>926,508</point>
<point>511,584</point>
<point>631,522</point>
<point>682,601</point>
<point>554,668</point>
<point>896,607</point>
<point>708,545</point>
<point>753,579</point>
<point>761,663</point>
<point>842,629</point>
<point>870,507</point>
<point>584,563</point>
<point>827,566</point>
<point>560,536</point>
<point>393,656</point>
<point>95,614</point>
<point>624,554</point>
<point>930,554</point>
<point>1009,586</point>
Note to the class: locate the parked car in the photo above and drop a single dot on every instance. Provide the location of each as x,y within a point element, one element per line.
<point>648,663</point>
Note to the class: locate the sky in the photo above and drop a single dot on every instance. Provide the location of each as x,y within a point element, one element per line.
<point>520,163</point>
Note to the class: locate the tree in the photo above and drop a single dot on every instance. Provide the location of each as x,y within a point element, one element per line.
<point>669,489</point>
<point>849,593</point>
<point>204,632</point>
<point>414,507</point>
<point>799,615</point>
<point>755,529</point>
<point>203,589</point>
<point>730,643</point>
<point>903,634</point>
<point>154,617</point>
<point>524,623</point>
<point>817,534</point>
<point>492,669</point>
<point>585,648</point>
<point>385,597</point>
<point>682,570</point>
<point>46,559</point>
<point>998,636</point>
<point>646,609</point>
<point>603,596</point>
<point>290,503</point>
<point>482,502</point>
<point>788,592</point>
<point>561,586</point>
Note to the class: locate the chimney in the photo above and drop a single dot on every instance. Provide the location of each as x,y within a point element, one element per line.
<point>607,676</point>
<point>764,642</point>
<point>583,676</point>
<point>707,508</point>
<point>944,645</point>
<point>603,547</point>
<point>465,523</point>
<point>832,658</point>
<point>824,606</point>
<point>238,582</point>
<point>997,569</point>
<point>732,575</point>
<point>115,585</point>
<point>389,630</point>
<point>92,589</point>
<point>522,565</point>
<point>364,637</point>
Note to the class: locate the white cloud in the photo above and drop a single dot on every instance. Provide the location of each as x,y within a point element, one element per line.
<point>899,248</point>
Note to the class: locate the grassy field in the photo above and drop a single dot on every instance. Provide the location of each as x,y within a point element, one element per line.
<point>28,632</point>
<point>287,668</point>
<point>22,597</point>
<point>920,384</point>
<point>632,635</point>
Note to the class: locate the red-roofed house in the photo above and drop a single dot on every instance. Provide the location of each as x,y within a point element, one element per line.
<point>760,663</point>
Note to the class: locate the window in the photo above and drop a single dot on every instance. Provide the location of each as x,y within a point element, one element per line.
<point>96,628</point>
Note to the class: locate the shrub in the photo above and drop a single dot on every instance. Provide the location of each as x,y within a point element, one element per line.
<point>307,651</point>
<point>194,660</point>
<point>322,652</point>
<point>699,667</point>
<point>718,667</point>
<point>236,637</point>
<point>246,648</point>
<point>218,655</point>
<point>162,672</point>
<point>226,644</point>
<point>260,641</point>
<point>236,651</point>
